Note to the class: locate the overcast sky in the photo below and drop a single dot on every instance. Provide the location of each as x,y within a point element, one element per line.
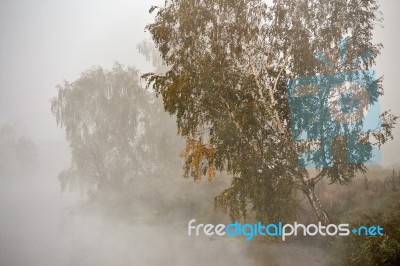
<point>44,42</point>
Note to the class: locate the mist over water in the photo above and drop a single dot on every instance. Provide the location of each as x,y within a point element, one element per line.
<point>44,42</point>
<point>42,226</point>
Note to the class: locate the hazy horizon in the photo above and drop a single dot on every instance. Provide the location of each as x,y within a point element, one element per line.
<point>47,42</point>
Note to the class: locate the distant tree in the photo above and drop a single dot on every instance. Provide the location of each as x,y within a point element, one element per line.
<point>17,153</point>
<point>228,62</point>
<point>113,126</point>
<point>26,153</point>
<point>7,144</point>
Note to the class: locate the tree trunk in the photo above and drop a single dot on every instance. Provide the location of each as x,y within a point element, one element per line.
<point>308,189</point>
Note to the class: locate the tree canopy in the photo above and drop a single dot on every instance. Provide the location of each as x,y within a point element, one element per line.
<point>116,129</point>
<point>229,61</point>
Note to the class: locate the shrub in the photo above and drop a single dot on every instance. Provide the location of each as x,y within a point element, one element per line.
<point>378,250</point>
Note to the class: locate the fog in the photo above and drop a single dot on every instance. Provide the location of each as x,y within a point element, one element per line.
<point>44,42</point>
<point>42,226</point>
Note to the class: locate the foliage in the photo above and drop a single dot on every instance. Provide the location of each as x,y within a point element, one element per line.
<point>378,250</point>
<point>114,128</point>
<point>228,63</point>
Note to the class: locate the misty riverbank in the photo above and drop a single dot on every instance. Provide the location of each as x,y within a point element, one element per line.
<point>42,226</point>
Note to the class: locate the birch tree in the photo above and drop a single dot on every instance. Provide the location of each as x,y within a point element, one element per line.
<point>105,115</point>
<point>228,63</point>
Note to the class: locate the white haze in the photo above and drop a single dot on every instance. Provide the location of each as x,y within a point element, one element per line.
<point>44,42</point>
